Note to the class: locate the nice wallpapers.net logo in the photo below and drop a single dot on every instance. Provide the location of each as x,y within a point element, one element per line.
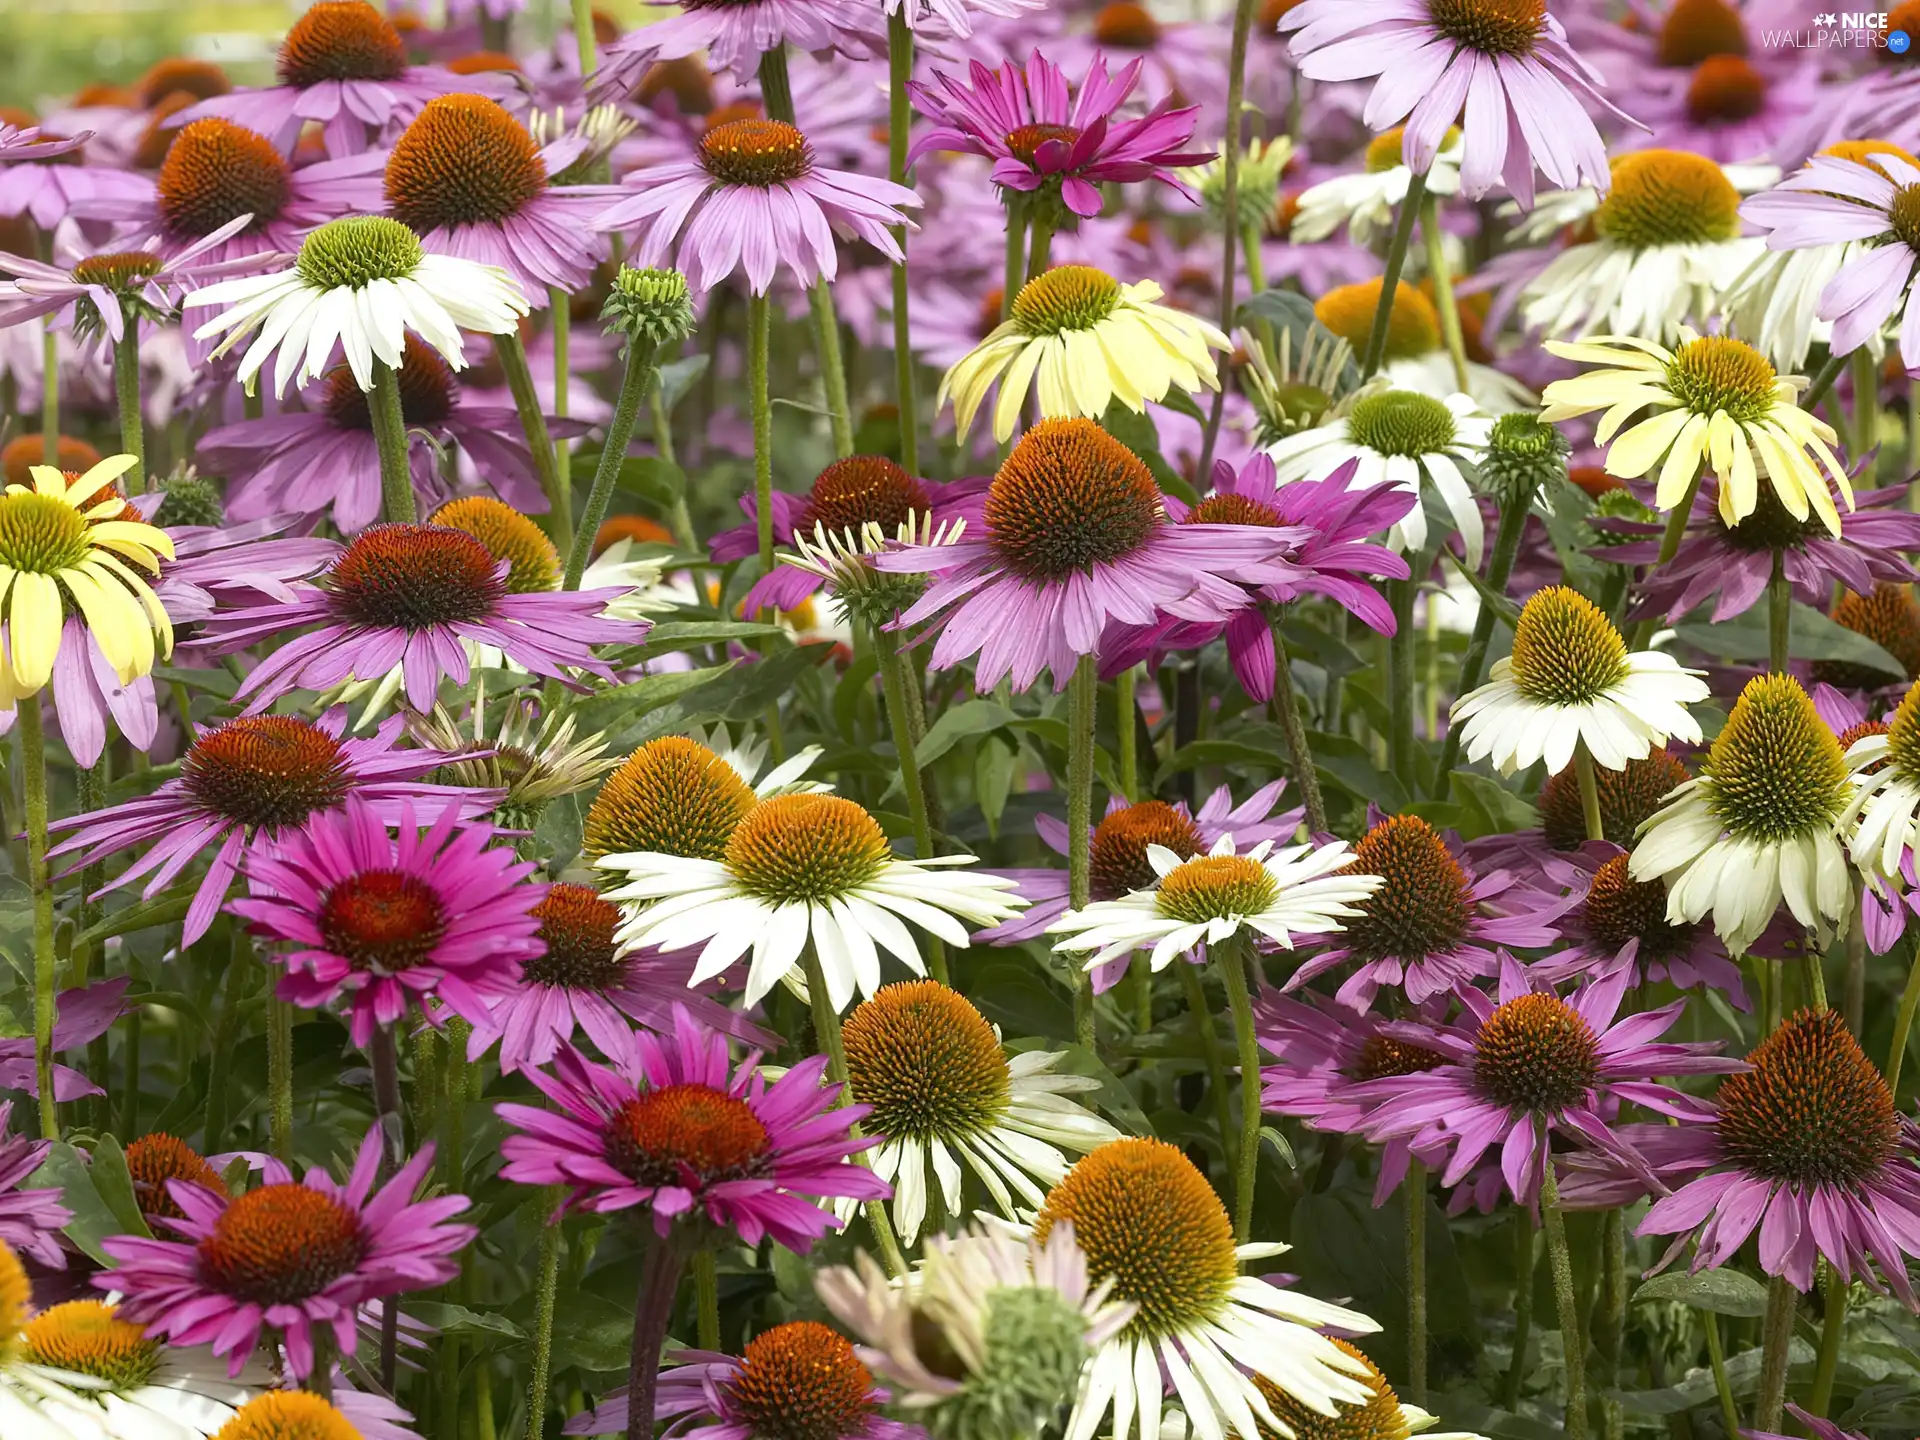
<point>1841,29</point>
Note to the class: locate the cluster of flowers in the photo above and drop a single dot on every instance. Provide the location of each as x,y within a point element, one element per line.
<point>600,762</point>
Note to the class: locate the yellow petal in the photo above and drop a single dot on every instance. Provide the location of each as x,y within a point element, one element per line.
<point>34,622</point>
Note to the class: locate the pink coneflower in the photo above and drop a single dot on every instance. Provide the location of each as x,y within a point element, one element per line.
<point>846,496</point>
<point>1809,1149</point>
<point>30,1220</point>
<point>384,921</point>
<point>1434,924</point>
<point>675,1130</point>
<point>797,1379</point>
<point>408,595</point>
<point>82,1015</point>
<point>1075,539</point>
<point>1523,1064</point>
<point>18,143</point>
<point>753,197</point>
<point>1335,560</point>
<point>324,461</point>
<point>1505,62</point>
<point>44,177</point>
<point>287,1257</point>
<point>1831,200</point>
<point>581,982</point>
<point>1042,139</point>
<point>734,34</point>
<point>248,785</point>
<point>468,179</point>
<point>1182,61</point>
<point>343,67</point>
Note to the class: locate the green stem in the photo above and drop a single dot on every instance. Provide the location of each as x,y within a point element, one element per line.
<point>1039,244</point>
<point>1903,1025</point>
<point>1833,1329</point>
<point>1589,791</point>
<point>1286,709</point>
<point>533,424</point>
<point>1823,382</point>
<point>49,394</point>
<point>239,972</point>
<point>895,676</point>
<point>1506,546</point>
<point>1400,656</point>
<point>33,768</point>
<point>1815,971</point>
<point>583,36</point>
<point>1014,272</point>
<point>1554,1227</point>
<point>1669,547</point>
<point>776,84</point>
<point>1442,277</point>
<point>1779,615</point>
<point>633,386</point>
<point>390,438</point>
<point>899,120</point>
<point>1523,1269</point>
<point>546,1290</point>
<point>1722,1382</point>
<point>1210,1052</point>
<point>1126,733</point>
<point>1082,691</point>
<point>1414,1195</point>
<point>559,306</point>
<point>130,1063</point>
<point>1231,964</point>
<point>1390,282</point>
<point>826,1032</point>
<point>126,394</point>
<point>1612,1317</point>
<point>706,1296</point>
<point>1775,1353</point>
<point>1866,406</point>
<point>280,1078</point>
<point>1853,993</point>
<point>833,370</point>
<point>1232,146</point>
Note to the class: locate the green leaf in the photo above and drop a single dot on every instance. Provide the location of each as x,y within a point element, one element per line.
<point>1488,807</point>
<point>594,1334</point>
<point>671,636</point>
<point>1811,636</point>
<point>968,718</point>
<point>680,376</point>
<point>114,1185</point>
<point>210,682</point>
<point>166,908</point>
<point>1503,608</point>
<point>658,482</point>
<point>614,709</point>
<point>1724,1292</point>
<point>459,1320</point>
<point>1016,997</point>
<point>1137,433</point>
<point>93,1219</point>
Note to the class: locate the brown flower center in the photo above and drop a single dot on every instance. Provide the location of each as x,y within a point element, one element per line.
<point>266,771</point>
<point>1891,619</point>
<point>1619,908</point>
<point>413,577</point>
<point>153,1160</point>
<point>463,161</point>
<point>1024,143</point>
<point>861,488</point>
<point>385,921</point>
<point>216,171</point>
<point>1233,510</point>
<point>686,1134</point>
<point>1493,27</point>
<point>1120,842</point>
<point>1382,1057</point>
<point>761,153</point>
<point>1698,30</point>
<point>1627,797</point>
<point>533,564</point>
<point>281,1244</point>
<point>1423,908</point>
<point>1725,87</point>
<point>1536,1053</point>
<point>341,40</point>
<point>1812,1110</point>
<point>1125,25</point>
<point>426,391</point>
<point>577,927</point>
<point>801,1381</point>
<point>1068,498</point>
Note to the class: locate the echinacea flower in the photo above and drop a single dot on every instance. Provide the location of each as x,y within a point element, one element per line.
<point>1084,340</point>
<point>1050,143</point>
<point>800,870</point>
<point>34,1405</point>
<point>1151,1227</point>
<point>940,1091</point>
<point>753,198</point>
<point>30,1220</point>
<point>1366,201</point>
<point>1571,682</point>
<point>387,923</point>
<point>154,1162</point>
<point>532,757</point>
<point>733,37</point>
<point>1523,1065</point>
<point>1667,244</point>
<point>288,1256</point>
<point>1412,442</point>
<point>1807,1148</point>
<point>1882,818</point>
<point>1275,896</point>
<point>677,1131</point>
<point>1074,539</point>
<point>45,178</point>
<point>411,595</point>
<point>1758,824</point>
<point>1432,924</point>
<point>1383,1413</point>
<point>1717,406</point>
<point>1889,616</point>
<point>358,285</point>
<point>1021,1318</point>
<point>1506,63</point>
<point>681,795</point>
<point>81,1015</point>
<point>248,784</point>
<point>800,1378</point>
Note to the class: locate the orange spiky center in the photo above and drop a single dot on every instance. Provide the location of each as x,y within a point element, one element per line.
<point>414,576</point>
<point>341,40</point>
<point>155,1159</point>
<point>801,1381</point>
<point>1536,1052</point>
<point>383,921</point>
<point>281,1244</point>
<point>1627,797</point>
<point>859,489</point>
<point>1068,498</point>
<point>216,171</point>
<point>1812,1109</point>
<point>672,796</point>
<point>1120,841</point>
<point>760,153</point>
<point>463,161</point>
<point>1423,908</point>
<point>577,926</point>
<point>427,389</point>
<point>266,771</point>
<point>686,1133</point>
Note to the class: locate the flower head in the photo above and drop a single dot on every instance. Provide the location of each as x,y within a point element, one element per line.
<point>30,1220</point>
<point>155,1161</point>
<point>648,305</point>
<point>1880,819</point>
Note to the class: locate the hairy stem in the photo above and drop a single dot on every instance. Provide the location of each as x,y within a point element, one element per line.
<point>390,438</point>
<point>634,385</point>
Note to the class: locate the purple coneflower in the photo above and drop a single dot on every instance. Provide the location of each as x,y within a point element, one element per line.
<point>384,920</point>
<point>1043,139</point>
<point>45,178</point>
<point>248,785</point>
<point>1817,1426</point>
<point>800,1378</point>
<point>343,67</point>
<point>82,1015</point>
<point>1434,925</point>
<point>408,595</point>
<point>1523,1064</point>
<point>1506,63</point>
<point>753,197</point>
<point>734,36</point>
<point>1809,1149</point>
<point>30,1220</point>
<point>1335,561</point>
<point>679,1132</point>
<point>288,1257</point>
<point>1075,539</point>
<point>18,143</point>
<point>581,981</point>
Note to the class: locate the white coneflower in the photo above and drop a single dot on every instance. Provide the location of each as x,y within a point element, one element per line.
<point>683,795</point>
<point>1366,202</point>
<point>1882,819</point>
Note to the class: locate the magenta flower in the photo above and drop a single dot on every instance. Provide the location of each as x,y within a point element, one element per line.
<point>753,197</point>
<point>1816,1426</point>
<point>1335,561</point>
<point>1808,1148</point>
<point>581,982</point>
<point>287,1257</point>
<point>248,785</point>
<point>381,920</point>
<point>30,1220</point>
<point>82,1015</point>
<point>1044,139</point>
<point>1524,91</point>
<point>343,67</point>
<point>734,36</point>
<point>413,596</point>
<point>1075,540</point>
<point>1524,1064</point>
<point>676,1131</point>
<point>1830,201</point>
<point>845,496</point>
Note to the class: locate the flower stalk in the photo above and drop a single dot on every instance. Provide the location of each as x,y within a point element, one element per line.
<point>1779,615</point>
<point>1833,1328</point>
<point>1230,155</point>
<point>1390,283</point>
<point>1414,1193</point>
<point>390,438</point>
<point>546,1290</point>
<point>1783,1301</point>
<point>759,323</point>
<point>33,767</point>
<point>1081,693</point>
<point>633,388</point>
<point>895,677</point>
<point>660,1272</point>
<point>512,354</point>
<point>1573,1342</point>
<point>1286,709</point>
<point>1443,297</point>
<point>126,395</point>
<point>1230,960</point>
